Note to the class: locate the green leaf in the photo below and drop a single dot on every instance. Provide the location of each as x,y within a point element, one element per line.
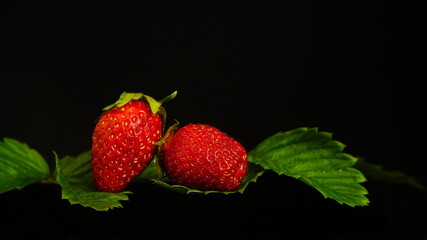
<point>254,171</point>
<point>83,191</point>
<point>315,159</point>
<point>78,170</point>
<point>20,165</point>
<point>377,173</point>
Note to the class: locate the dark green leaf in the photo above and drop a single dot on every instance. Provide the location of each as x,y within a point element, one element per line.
<point>20,165</point>
<point>315,159</point>
<point>376,172</point>
<point>83,192</point>
<point>78,170</point>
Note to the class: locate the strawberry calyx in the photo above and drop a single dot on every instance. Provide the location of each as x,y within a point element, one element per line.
<point>165,140</point>
<point>155,106</point>
<point>162,145</point>
<point>126,97</point>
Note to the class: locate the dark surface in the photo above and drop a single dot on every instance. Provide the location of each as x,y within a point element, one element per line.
<point>249,70</point>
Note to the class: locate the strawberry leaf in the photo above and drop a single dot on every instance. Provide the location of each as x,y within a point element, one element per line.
<point>315,159</point>
<point>20,165</point>
<point>378,173</point>
<point>78,171</point>
<point>254,171</point>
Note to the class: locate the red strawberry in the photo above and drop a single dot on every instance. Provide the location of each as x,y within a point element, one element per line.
<point>123,142</point>
<point>202,157</point>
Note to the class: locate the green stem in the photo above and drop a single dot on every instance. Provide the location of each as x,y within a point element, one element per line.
<point>168,98</point>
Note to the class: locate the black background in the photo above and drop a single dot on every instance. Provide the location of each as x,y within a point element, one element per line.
<point>250,70</point>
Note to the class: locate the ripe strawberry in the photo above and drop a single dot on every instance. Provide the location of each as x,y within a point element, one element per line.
<point>123,142</point>
<point>202,157</point>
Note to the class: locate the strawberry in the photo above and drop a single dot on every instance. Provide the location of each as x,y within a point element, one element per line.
<point>202,157</point>
<point>123,142</point>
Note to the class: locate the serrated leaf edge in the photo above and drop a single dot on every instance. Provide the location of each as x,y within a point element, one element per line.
<point>276,138</point>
